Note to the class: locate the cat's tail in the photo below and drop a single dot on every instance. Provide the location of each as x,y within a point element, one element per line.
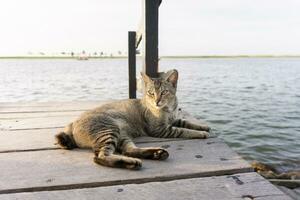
<point>65,139</point>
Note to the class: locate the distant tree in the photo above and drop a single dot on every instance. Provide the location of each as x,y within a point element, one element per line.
<point>72,54</point>
<point>120,53</point>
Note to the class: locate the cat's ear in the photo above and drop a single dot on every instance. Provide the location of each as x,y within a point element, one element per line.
<point>172,77</point>
<point>145,77</point>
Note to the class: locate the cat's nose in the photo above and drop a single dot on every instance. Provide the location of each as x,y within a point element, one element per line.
<point>157,102</point>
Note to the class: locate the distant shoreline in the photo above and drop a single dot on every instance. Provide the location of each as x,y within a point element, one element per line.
<point>162,57</point>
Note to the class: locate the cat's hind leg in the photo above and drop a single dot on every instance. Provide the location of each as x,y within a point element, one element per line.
<point>154,153</point>
<point>105,149</point>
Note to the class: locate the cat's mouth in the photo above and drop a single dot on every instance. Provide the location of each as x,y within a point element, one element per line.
<point>159,105</point>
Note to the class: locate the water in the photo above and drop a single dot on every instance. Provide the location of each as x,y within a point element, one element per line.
<point>252,103</point>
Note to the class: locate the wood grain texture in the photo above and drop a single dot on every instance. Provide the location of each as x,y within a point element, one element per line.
<point>36,123</point>
<point>56,169</point>
<point>35,115</point>
<point>48,107</point>
<point>217,188</point>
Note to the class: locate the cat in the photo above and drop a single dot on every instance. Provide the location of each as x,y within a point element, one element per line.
<point>110,128</point>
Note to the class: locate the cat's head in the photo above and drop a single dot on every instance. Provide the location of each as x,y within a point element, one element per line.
<point>160,92</point>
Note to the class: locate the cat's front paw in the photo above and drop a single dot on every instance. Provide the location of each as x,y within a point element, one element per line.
<point>202,135</point>
<point>160,154</point>
<point>205,128</point>
<point>133,163</point>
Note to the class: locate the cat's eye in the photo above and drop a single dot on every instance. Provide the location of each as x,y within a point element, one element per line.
<point>164,92</point>
<point>150,93</point>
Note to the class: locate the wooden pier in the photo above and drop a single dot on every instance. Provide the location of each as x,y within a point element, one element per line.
<point>33,167</point>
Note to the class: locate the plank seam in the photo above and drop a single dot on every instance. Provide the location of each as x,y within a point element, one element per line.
<point>26,150</point>
<point>40,111</point>
<point>125,182</point>
<point>28,129</point>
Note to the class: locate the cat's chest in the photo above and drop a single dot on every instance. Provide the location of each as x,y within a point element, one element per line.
<point>163,118</point>
<point>171,118</point>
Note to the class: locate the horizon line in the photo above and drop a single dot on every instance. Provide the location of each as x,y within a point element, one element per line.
<point>161,57</point>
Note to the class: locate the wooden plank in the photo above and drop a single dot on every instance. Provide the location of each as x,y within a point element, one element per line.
<point>49,115</point>
<point>43,139</point>
<point>36,123</point>
<point>28,140</point>
<point>57,169</point>
<point>48,107</point>
<point>132,64</point>
<point>217,188</point>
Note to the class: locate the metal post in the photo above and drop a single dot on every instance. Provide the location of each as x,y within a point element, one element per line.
<point>150,36</point>
<point>132,64</point>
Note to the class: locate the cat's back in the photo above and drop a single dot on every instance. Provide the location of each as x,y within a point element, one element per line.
<point>106,116</point>
<point>126,106</point>
<point>109,112</point>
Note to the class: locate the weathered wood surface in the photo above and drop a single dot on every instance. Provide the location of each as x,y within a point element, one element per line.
<point>26,140</point>
<point>36,123</point>
<point>34,115</point>
<point>48,107</point>
<point>63,168</point>
<point>240,186</point>
<point>30,161</point>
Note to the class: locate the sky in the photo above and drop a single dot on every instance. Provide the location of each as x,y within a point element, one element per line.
<point>186,27</point>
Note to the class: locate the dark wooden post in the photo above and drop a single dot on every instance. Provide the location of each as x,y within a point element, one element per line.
<point>148,33</point>
<point>150,36</point>
<point>132,64</point>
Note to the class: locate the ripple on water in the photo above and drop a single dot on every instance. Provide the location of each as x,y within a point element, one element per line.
<point>219,121</point>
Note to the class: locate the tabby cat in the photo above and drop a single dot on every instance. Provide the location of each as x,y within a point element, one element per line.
<point>110,128</point>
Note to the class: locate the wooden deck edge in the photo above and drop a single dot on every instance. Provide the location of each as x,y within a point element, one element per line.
<point>229,172</point>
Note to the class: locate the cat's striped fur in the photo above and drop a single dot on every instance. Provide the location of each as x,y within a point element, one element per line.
<point>109,129</point>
